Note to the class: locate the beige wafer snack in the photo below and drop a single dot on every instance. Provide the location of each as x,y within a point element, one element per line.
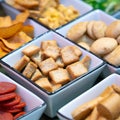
<point>90,29</point>
<point>31,50</point>
<point>113,30</point>
<point>114,56</point>
<point>103,46</point>
<point>21,63</point>
<point>76,31</point>
<point>99,29</point>
<point>29,69</point>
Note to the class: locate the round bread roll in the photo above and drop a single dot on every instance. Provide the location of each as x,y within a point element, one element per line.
<point>76,31</point>
<point>113,30</point>
<point>99,29</point>
<point>103,46</point>
<point>90,30</point>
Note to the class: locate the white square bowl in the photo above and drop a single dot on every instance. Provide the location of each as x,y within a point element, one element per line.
<point>93,15</point>
<point>35,106</point>
<point>67,92</point>
<point>80,6</point>
<point>38,28</point>
<point>64,113</point>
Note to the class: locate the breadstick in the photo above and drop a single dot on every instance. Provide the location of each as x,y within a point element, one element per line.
<point>110,107</point>
<point>81,112</point>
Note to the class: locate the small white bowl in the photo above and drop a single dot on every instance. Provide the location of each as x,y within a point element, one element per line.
<point>35,106</point>
<point>64,113</point>
<point>67,92</point>
<point>93,15</point>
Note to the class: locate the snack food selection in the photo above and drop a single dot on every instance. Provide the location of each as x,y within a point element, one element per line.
<point>99,38</point>
<point>49,12</point>
<point>104,107</point>
<point>51,66</point>
<point>11,103</point>
<point>14,33</point>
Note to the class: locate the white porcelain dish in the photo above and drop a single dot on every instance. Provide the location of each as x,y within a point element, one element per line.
<point>64,113</point>
<point>94,15</point>
<point>67,92</point>
<point>35,106</point>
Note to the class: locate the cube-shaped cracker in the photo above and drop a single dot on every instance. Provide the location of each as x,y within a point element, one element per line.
<point>76,69</point>
<point>70,54</point>
<point>59,76</point>
<point>44,83</point>
<point>38,57</point>
<point>29,69</point>
<point>52,51</point>
<point>22,63</point>
<point>37,74</point>
<point>59,62</point>
<point>45,44</point>
<point>30,50</point>
<point>47,65</point>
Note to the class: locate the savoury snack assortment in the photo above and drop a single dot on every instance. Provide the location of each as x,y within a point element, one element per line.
<point>51,66</point>
<point>14,33</point>
<point>11,103</point>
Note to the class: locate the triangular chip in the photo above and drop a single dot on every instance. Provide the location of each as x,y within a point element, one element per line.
<point>21,17</point>
<point>3,47</point>
<point>11,46</point>
<point>7,32</point>
<point>5,21</point>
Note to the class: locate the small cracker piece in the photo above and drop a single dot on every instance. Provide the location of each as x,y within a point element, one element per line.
<point>31,50</point>
<point>48,65</point>
<point>86,61</point>
<point>37,58</point>
<point>21,63</point>
<point>59,76</point>
<point>59,62</point>
<point>55,87</point>
<point>69,54</point>
<point>37,74</point>
<point>44,83</point>
<point>52,51</point>
<point>29,69</point>
<point>45,44</point>
<point>76,69</point>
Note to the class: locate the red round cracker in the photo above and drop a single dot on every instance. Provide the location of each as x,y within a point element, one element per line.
<point>7,96</point>
<point>12,102</point>
<point>6,116</point>
<point>6,87</point>
<point>19,114</point>
<point>20,105</point>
